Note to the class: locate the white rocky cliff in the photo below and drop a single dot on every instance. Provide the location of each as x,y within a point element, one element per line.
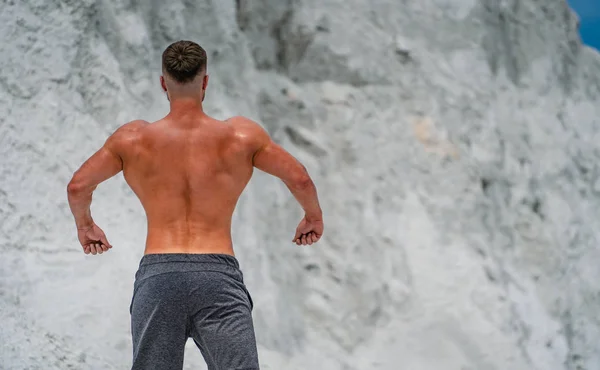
<point>454,145</point>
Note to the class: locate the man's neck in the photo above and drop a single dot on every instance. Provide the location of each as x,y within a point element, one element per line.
<point>186,104</point>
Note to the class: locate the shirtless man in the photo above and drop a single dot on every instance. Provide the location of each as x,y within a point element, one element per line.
<point>188,170</point>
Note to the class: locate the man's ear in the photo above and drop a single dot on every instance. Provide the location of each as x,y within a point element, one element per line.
<point>163,84</point>
<point>204,85</point>
<point>205,82</point>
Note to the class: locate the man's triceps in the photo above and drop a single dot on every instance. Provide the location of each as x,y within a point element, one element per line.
<point>275,160</point>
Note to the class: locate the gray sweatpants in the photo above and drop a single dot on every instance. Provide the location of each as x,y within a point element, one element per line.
<point>202,296</point>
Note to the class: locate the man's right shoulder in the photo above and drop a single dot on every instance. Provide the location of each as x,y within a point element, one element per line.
<point>133,126</point>
<point>127,133</point>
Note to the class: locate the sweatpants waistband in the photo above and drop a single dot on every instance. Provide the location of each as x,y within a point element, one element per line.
<point>225,259</point>
<point>158,264</point>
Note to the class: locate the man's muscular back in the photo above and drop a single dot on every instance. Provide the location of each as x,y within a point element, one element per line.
<point>189,171</point>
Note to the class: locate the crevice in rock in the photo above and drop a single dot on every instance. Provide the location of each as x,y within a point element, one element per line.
<point>485,185</point>
<point>573,359</point>
<point>569,52</point>
<point>301,139</point>
<point>278,31</point>
<point>499,42</point>
<point>403,55</point>
<point>536,208</point>
<point>241,14</point>
<point>312,267</point>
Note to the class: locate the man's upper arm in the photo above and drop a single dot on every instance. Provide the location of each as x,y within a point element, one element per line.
<point>107,161</point>
<point>270,157</point>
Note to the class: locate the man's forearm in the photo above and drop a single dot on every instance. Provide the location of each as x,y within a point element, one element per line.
<point>79,202</point>
<point>305,193</point>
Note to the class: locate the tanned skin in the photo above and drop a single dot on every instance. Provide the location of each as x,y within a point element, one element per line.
<point>189,170</point>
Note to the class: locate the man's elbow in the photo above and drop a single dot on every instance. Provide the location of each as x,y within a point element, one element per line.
<point>301,181</point>
<point>76,187</point>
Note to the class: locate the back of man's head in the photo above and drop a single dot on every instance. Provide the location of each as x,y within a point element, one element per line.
<point>182,61</point>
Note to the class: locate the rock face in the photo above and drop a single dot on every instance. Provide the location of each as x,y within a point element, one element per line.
<point>454,145</point>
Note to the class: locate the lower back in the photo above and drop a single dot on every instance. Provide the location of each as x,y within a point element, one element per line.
<point>166,240</point>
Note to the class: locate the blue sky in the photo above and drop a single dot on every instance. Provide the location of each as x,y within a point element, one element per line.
<point>589,14</point>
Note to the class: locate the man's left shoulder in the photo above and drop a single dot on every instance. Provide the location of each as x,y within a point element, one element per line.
<point>244,125</point>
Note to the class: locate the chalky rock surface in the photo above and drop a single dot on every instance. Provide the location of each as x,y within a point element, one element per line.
<point>455,146</point>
